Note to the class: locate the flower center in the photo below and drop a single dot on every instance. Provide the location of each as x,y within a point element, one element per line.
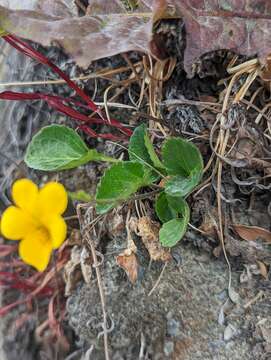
<point>43,235</point>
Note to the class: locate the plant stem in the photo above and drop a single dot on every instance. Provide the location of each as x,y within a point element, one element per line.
<point>109,159</point>
<point>34,54</point>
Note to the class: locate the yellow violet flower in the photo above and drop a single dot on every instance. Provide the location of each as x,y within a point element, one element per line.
<point>36,220</point>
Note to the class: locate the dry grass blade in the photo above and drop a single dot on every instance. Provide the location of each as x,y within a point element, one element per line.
<point>86,228</point>
<point>252,69</point>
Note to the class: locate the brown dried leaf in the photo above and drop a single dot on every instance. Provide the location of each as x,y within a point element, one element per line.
<point>242,26</point>
<point>129,264</point>
<point>252,233</point>
<point>209,225</point>
<point>79,265</point>
<point>148,230</point>
<point>105,34</point>
<point>263,269</point>
<point>72,272</point>
<point>115,224</point>
<point>86,265</point>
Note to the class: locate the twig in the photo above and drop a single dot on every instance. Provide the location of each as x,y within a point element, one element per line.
<point>158,280</point>
<point>99,74</point>
<point>189,102</point>
<point>96,265</point>
<point>102,296</point>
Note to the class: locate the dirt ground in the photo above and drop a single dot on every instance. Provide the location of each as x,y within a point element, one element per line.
<point>186,310</point>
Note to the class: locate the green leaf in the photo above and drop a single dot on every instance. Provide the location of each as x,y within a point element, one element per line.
<point>172,231</point>
<point>137,149</point>
<point>118,183</point>
<point>182,186</point>
<point>153,156</point>
<point>169,207</point>
<point>163,210</point>
<point>179,205</point>
<point>141,149</point>
<point>181,157</point>
<point>58,147</point>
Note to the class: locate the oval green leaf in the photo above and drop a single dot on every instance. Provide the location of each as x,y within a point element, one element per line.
<point>182,186</point>
<point>57,147</point>
<point>118,183</point>
<point>172,232</point>
<point>137,149</point>
<point>141,150</point>
<point>181,157</point>
<point>163,210</point>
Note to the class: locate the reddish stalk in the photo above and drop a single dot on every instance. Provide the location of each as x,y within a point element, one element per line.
<point>29,51</point>
<point>58,102</point>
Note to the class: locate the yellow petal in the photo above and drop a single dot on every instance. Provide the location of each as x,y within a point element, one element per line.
<point>58,230</point>
<point>24,194</point>
<point>35,249</point>
<point>52,199</point>
<point>16,223</point>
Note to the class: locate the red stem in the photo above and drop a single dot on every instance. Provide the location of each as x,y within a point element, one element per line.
<point>57,103</point>
<point>29,51</point>
<point>33,54</point>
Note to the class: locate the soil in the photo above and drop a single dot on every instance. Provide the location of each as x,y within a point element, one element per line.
<point>191,313</point>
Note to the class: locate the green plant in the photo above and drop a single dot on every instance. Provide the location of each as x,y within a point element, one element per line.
<point>181,169</point>
<point>58,148</point>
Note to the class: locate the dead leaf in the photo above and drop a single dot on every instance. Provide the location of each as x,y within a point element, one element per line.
<point>209,225</point>
<point>72,273</point>
<point>106,34</point>
<point>148,230</point>
<point>86,265</point>
<point>127,260</point>
<point>241,26</point>
<point>252,233</point>
<point>79,265</point>
<point>130,265</point>
<point>263,269</point>
<point>115,224</point>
